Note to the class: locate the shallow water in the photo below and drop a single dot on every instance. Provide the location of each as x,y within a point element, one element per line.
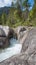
<point>14,48</point>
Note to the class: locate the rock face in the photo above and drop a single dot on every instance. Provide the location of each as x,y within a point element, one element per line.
<point>5,34</point>
<point>28,52</point>
<point>29,47</point>
<point>12,34</point>
<point>20,32</point>
<point>4,42</point>
<point>2,33</point>
<point>5,29</point>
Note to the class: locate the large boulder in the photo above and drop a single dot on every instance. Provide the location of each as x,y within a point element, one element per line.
<point>6,34</point>
<point>20,31</point>
<point>12,34</point>
<point>4,42</point>
<point>2,33</point>
<point>3,36</point>
<point>5,30</point>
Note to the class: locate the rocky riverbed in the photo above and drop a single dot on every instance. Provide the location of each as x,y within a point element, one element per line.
<point>28,52</point>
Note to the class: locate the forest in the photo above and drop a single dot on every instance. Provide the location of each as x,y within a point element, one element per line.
<point>19,14</point>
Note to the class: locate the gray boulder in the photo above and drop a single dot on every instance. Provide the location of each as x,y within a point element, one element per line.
<point>20,30</point>
<point>3,36</point>
<point>4,42</point>
<point>6,34</point>
<point>2,33</point>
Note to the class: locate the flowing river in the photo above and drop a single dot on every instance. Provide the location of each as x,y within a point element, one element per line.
<point>13,49</point>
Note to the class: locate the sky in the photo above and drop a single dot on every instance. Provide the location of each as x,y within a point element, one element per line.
<point>8,2</point>
<point>5,3</point>
<point>32,2</point>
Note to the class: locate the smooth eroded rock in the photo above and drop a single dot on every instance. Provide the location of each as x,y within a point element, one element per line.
<point>20,30</point>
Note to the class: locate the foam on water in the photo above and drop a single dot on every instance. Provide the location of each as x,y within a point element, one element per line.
<point>15,48</point>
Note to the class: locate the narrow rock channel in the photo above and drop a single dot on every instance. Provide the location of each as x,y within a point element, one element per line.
<point>15,44</point>
<point>13,49</point>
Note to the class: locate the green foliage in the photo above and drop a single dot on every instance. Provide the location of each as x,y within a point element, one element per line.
<point>0,21</point>
<point>17,17</point>
<point>26,4</point>
<point>3,18</point>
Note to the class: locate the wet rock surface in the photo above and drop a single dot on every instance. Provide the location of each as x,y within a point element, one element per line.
<point>28,52</point>
<point>3,42</point>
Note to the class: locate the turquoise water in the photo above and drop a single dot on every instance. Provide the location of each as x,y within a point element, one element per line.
<point>13,49</point>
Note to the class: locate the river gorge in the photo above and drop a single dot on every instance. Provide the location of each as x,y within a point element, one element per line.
<point>13,46</point>
<point>20,46</point>
<point>13,49</point>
